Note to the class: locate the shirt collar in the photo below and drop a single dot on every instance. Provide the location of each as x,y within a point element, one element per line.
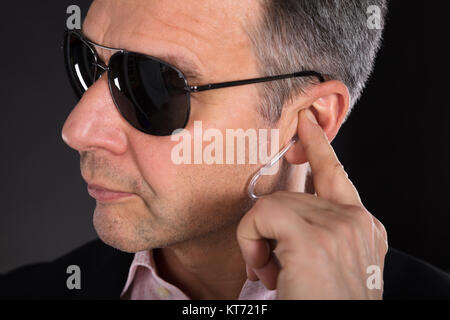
<point>252,290</point>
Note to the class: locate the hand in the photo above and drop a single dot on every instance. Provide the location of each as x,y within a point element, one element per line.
<point>324,242</point>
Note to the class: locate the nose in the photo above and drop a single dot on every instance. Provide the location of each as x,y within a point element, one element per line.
<point>95,123</point>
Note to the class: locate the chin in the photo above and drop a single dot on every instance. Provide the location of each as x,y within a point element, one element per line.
<point>117,230</point>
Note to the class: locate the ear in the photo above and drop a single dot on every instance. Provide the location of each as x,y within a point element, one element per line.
<point>329,102</point>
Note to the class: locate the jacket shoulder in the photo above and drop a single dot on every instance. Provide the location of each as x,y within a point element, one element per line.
<point>406,277</point>
<point>103,272</point>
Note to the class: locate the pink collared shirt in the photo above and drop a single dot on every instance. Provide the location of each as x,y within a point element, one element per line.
<point>143,283</point>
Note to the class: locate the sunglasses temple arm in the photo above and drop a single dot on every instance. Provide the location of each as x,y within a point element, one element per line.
<point>255,80</point>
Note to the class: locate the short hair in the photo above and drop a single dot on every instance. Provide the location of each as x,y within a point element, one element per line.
<point>332,37</point>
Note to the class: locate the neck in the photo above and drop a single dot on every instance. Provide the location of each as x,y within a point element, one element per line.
<point>210,267</point>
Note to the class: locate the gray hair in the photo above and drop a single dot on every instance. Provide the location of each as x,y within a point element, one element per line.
<point>328,36</point>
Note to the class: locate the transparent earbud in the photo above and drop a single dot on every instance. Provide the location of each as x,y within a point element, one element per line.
<point>267,166</point>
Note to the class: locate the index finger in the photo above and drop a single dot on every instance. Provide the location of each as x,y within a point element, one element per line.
<point>330,179</point>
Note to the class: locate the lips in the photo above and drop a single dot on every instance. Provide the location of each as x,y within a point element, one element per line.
<point>106,195</point>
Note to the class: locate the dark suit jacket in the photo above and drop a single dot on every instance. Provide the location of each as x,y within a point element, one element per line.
<point>104,271</point>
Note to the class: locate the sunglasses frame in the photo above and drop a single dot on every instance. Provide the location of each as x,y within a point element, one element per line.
<point>188,88</point>
<point>100,64</point>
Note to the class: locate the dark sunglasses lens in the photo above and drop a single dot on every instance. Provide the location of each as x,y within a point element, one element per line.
<point>149,94</point>
<point>80,59</point>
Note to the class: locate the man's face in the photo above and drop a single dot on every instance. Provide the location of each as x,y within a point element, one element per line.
<point>170,203</point>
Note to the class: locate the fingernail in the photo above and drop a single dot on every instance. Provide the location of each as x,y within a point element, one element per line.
<point>311,116</point>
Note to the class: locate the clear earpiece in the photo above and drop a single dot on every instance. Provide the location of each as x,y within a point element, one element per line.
<point>267,166</point>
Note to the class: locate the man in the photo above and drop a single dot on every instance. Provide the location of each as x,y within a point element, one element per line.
<point>194,231</point>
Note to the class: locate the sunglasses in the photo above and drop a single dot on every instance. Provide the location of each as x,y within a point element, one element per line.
<point>152,95</point>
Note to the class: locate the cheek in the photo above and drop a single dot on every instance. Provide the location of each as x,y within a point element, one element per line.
<point>179,181</point>
<point>169,180</point>
<point>153,159</point>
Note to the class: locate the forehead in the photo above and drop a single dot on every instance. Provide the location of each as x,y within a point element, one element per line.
<point>209,33</point>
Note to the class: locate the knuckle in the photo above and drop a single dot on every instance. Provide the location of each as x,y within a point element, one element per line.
<point>384,249</point>
<point>338,170</point>
<point>332,175</point>
<point>334,171</point>
<point>381,230</point>
<point>349,233</point>
<point>359,216</point>
<point>381,227</point>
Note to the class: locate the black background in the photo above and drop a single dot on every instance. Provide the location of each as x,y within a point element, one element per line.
<point>394,145</point>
